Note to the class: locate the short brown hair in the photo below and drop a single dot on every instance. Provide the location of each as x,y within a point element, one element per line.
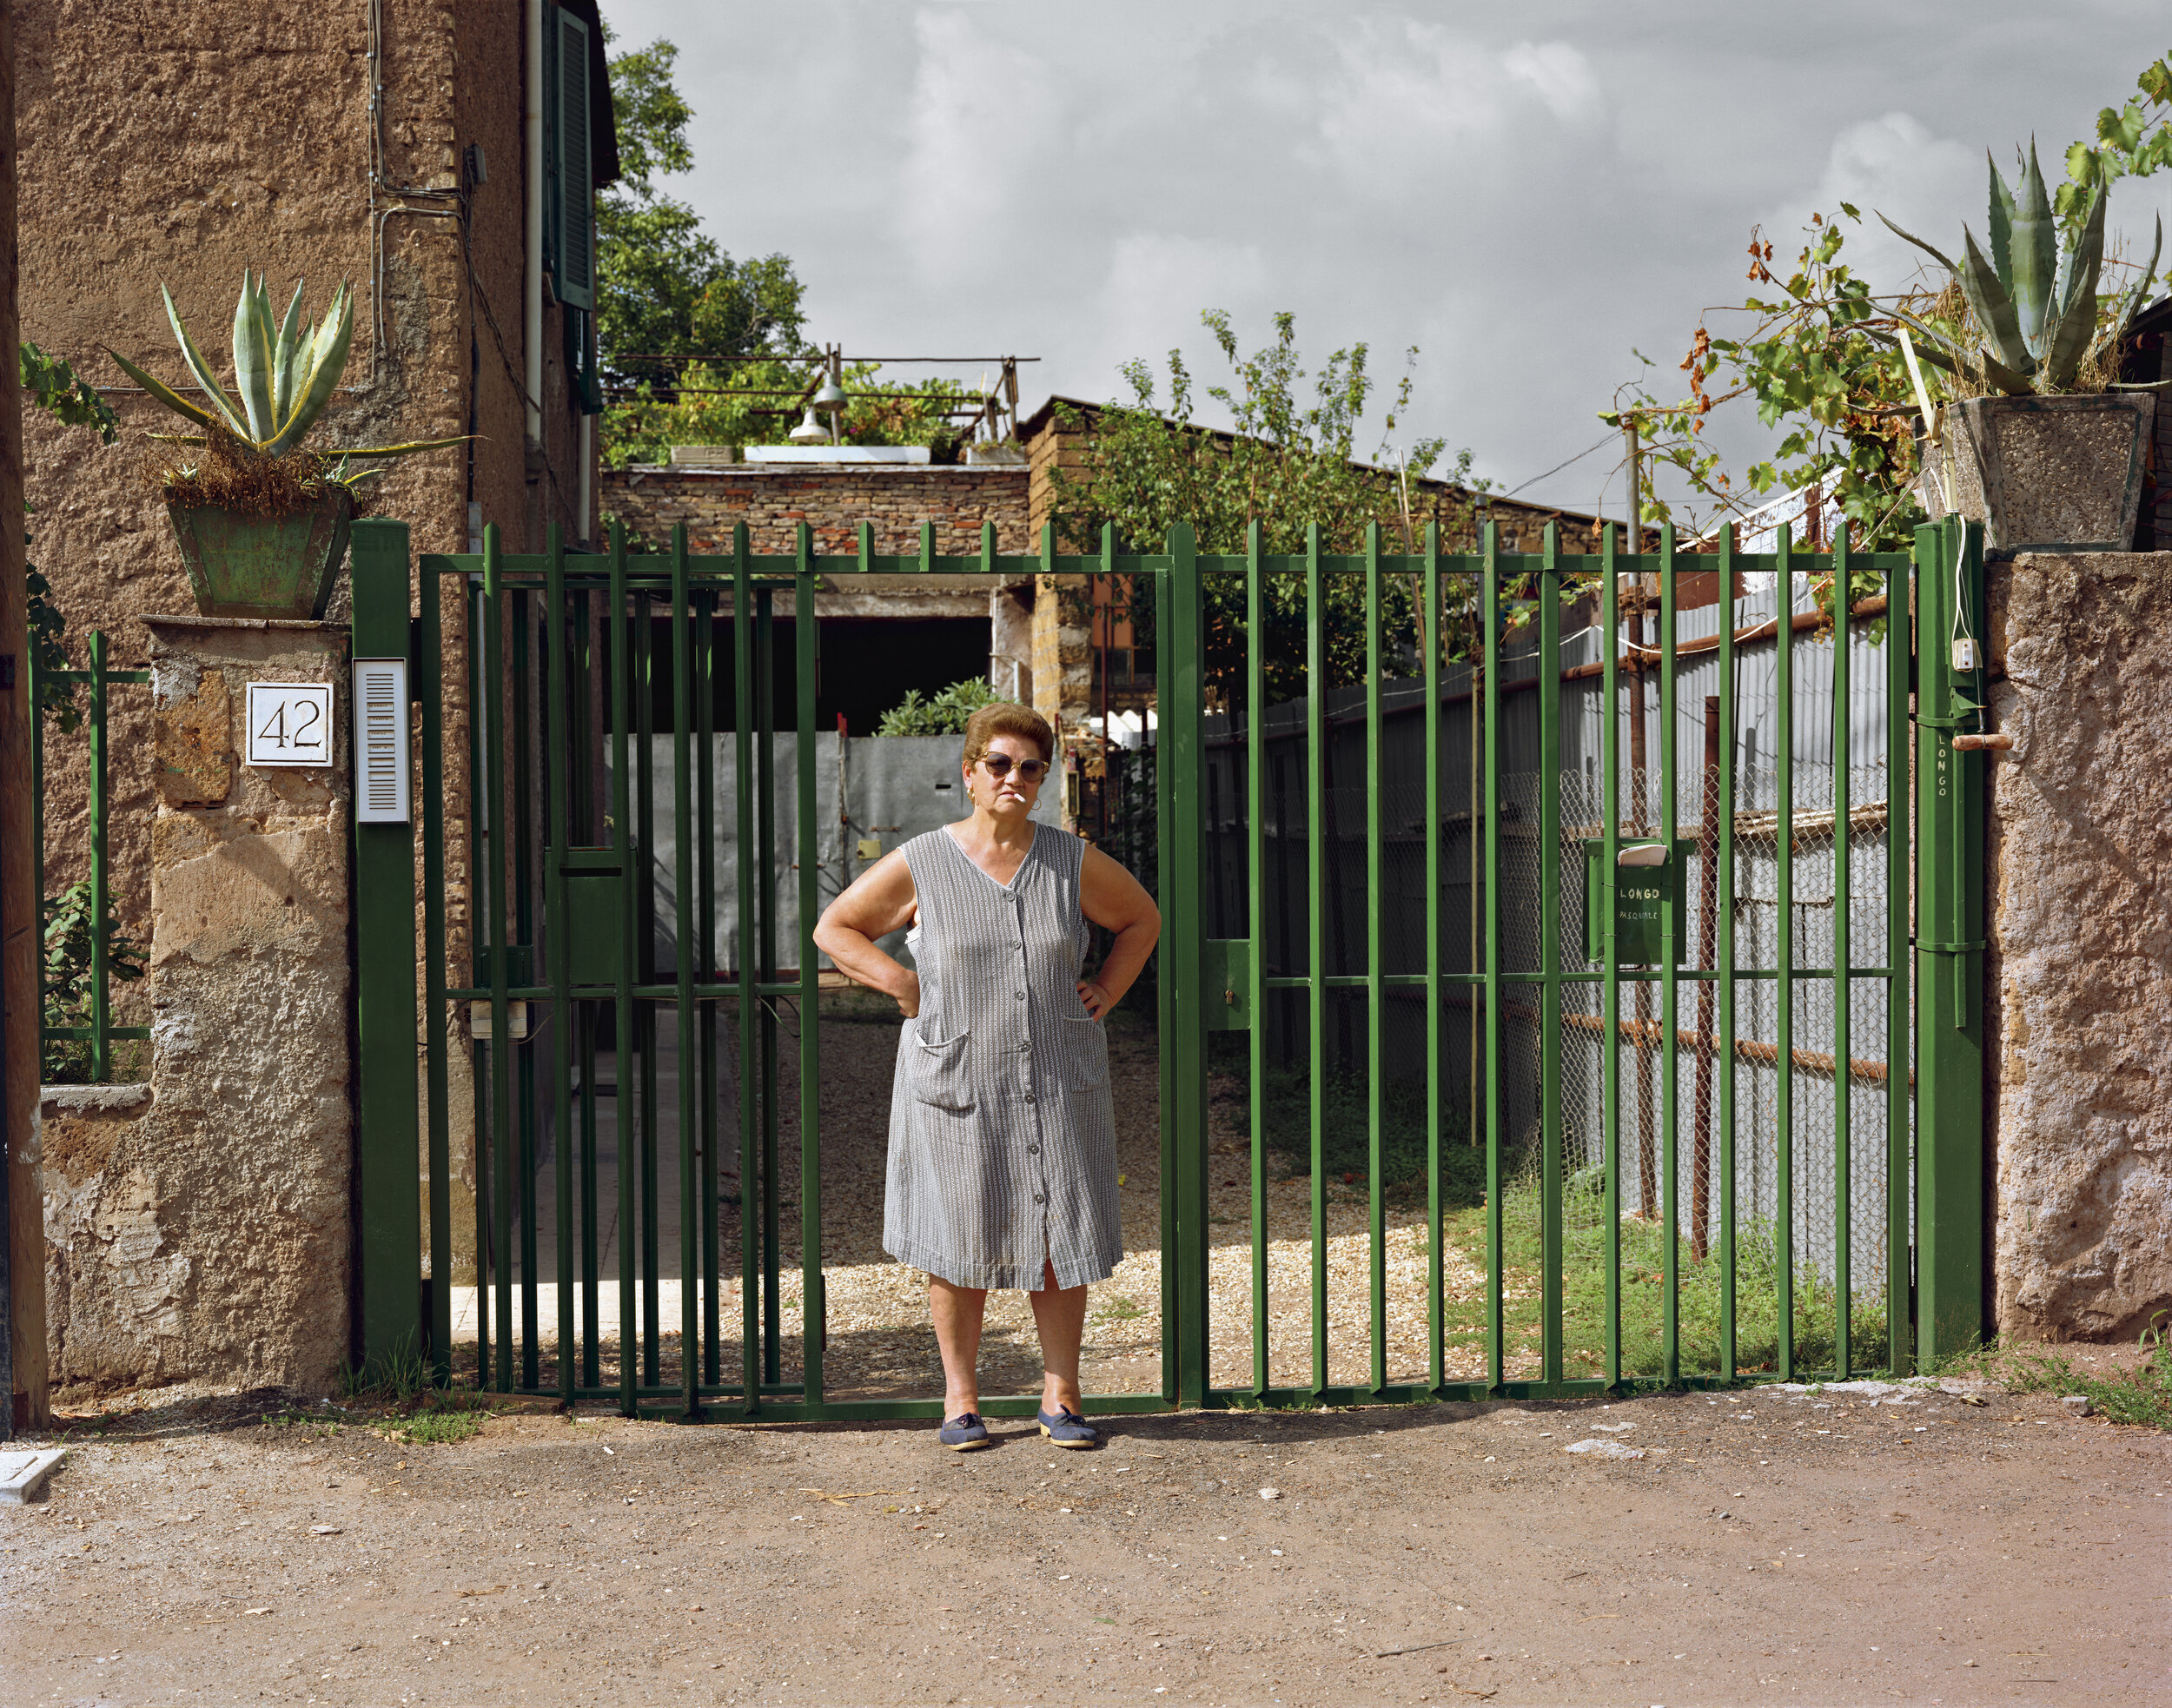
<point>1005,718</point>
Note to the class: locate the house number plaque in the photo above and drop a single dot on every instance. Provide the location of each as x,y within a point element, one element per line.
<point>289,724</point>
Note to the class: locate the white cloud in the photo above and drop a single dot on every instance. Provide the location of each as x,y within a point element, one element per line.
<point>980,108</point>
<point>1527,192</point>
<point>1561,75</point>
<point>1413,103</point>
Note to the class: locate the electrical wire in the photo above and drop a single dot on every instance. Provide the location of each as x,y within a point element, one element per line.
<point>1556,469</point>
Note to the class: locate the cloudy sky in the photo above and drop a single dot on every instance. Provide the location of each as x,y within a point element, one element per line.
<point>1527,193</point>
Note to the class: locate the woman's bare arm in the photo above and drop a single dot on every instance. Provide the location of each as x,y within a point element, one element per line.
<point>879,901</point>
<point>1117,902</point>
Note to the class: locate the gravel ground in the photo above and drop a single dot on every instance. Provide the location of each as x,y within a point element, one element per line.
<point>880,1339</point>
<point>1767,1546</point>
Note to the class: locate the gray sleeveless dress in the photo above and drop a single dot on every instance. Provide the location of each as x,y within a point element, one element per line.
<point>1003,1142</point>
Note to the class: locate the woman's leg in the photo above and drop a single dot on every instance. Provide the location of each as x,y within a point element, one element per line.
<point>957,1312</point>
<point>1060,1314</point>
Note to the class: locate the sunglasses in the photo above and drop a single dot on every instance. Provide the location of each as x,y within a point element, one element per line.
<point>999,766</point>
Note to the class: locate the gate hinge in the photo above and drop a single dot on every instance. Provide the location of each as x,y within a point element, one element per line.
<point>1951,948</point>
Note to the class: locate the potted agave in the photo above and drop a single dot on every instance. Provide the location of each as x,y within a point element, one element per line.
<point>263,518</point>
<point>2048,451</point>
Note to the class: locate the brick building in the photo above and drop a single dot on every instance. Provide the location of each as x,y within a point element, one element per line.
<point>1063,643</point>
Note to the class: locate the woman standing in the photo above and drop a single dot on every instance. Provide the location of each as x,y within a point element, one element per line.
<point>1002,1144</point>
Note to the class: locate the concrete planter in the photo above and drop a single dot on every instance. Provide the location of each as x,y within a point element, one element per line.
<point>2044,474</point>
<point>265,566</point>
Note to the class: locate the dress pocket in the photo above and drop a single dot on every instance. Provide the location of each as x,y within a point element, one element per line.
<point>940,1078</point>
<point>1085,1042</point>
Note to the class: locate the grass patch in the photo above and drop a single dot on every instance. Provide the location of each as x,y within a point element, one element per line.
<point>315,1425</point>
<point>2140,1395</point>
<point>1643,1294</point>
<point>443,1416</point>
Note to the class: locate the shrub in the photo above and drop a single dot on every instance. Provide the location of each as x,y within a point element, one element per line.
<point>945,714</point>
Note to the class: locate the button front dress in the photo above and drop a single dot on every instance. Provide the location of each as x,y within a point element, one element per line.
<point>1002,1134</point>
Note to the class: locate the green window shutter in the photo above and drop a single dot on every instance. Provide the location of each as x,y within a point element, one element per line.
<point>576,210</point>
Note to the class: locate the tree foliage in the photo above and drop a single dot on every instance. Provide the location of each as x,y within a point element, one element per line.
<point>52,384</point>
<point>70,928</point>
<point>664,287</point>
<point>1289,466</point>
<point>748,403</point>
<point>725,330</point>
<point>1820,360</point>
<point>2132,142</point>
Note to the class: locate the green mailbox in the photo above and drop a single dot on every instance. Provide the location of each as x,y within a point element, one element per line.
<point>1646,879</point>
<point>595,938</point>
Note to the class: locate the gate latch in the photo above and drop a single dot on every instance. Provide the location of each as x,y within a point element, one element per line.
<point>1226,976</point>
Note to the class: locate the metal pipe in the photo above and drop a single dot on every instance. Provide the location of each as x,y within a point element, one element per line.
<point>532,315</point>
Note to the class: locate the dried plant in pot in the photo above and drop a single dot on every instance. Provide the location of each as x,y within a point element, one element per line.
<point>260,517</point>
<point>2039,443</point>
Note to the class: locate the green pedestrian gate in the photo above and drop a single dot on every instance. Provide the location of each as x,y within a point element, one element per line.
<point>1570,977</point>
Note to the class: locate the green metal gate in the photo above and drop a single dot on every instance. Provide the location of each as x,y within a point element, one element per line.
<point>1832,1183</point>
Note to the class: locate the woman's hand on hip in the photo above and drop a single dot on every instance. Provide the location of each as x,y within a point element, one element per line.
<point>1098,1002</point>
<point>909,995</point>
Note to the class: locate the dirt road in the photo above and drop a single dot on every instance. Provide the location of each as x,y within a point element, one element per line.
<point>1768,1546</point>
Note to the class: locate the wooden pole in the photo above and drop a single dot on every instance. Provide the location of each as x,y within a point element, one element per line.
<point>22,1216</point>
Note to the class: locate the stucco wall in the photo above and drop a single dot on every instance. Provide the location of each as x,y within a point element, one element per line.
<point>2080,959</point>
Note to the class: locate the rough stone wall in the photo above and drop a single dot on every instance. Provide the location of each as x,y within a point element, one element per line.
<point>2080,958</point>
<point>1063,680</point>
<point>200,1227</point>
<point>833,499</point>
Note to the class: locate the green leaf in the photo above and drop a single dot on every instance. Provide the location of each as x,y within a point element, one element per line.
<point>2035,241</point>
<point>2122,317</point>
<point>286,354</point>
<point>2001,226</point>
<point>2069,338</point>
<point>327,361</point>
<point>252,347</point>
<point>1993,309</point>
<point>1908,236</point>
<point>407,450</point>
<point>173,400</point>
<point>202,369</point>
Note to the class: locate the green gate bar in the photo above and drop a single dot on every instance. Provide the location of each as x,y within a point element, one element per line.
<point>390,1236</point>
<point>1949,932</point>
<point>1495,993</point>
<point>1255,929</point>
<point>1610,989</point>
<point>101,1033</point>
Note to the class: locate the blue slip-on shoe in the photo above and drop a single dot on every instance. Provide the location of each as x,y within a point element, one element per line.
<point>1065,1428</point>
<point>963,1433</point>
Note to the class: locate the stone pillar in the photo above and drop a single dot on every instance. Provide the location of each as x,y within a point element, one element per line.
<point>1063,680</point>
<point>2079,963</point>
<point>1010,643</point>
<point>204,1231</point>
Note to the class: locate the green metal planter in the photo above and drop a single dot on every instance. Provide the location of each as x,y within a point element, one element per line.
<point>265,566</point>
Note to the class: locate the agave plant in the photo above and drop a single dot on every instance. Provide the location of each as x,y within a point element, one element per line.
<point>2038,309</point>
<point>284,378</point>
